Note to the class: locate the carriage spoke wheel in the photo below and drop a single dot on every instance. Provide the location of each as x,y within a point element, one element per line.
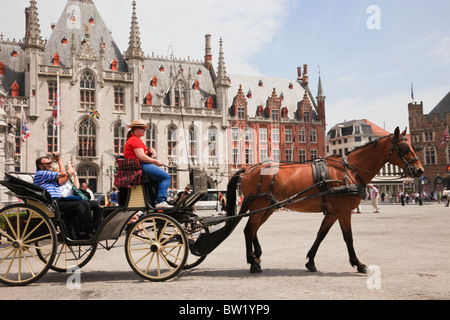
<point>25,229</point>
<point>193,260</point>
<point>156,247</point>
<point>70,257</point>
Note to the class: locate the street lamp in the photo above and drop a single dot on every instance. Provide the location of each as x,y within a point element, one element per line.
<point>111,172</point>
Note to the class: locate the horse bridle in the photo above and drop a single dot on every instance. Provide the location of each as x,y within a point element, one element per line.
<point>402,150</point>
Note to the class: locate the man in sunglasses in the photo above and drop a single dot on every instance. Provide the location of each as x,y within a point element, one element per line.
<point>71,210</point>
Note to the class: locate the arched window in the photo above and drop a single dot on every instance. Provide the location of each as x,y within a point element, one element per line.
<point>87,173</point>
<point>180,94</point>
<point>119,138</point>
<point>87,91</point>
<point>87,138</point>
<point>150,136</point>
<point>52,137</point>
<point>172,141</point>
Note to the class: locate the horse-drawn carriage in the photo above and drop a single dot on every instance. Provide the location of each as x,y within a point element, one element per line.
<point>35,237</point>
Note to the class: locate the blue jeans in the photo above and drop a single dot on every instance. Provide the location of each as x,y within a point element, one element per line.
<point>160,176</point>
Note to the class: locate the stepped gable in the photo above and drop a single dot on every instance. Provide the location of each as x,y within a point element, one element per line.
<point>80,22</point>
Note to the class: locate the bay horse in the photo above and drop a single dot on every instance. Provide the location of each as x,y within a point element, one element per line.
<point>333,185</point>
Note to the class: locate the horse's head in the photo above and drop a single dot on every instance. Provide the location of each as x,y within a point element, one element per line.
<point>403,154</point>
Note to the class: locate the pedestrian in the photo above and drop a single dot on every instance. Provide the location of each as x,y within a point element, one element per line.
<point>374,197</point>
<point>445,197</point>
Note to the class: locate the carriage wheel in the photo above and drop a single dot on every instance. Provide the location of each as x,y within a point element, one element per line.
<point>193,260</point>
<point>24,229</point>
<point>70,257</point>
<point>156,247</point>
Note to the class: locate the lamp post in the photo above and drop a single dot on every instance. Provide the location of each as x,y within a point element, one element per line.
<point>110,172</point>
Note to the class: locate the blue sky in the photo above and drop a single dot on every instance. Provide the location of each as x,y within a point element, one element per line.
<point>366,73</point>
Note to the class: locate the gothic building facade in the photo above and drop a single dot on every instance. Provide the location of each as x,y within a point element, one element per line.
<point>427,135</point>
<point>199,117</point>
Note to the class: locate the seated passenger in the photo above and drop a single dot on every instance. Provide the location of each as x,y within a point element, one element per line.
<point>135,149</point>
<point>71,209</point>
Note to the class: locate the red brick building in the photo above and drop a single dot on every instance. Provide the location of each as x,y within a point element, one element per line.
<point>275,119</point>
<point>427,132</point>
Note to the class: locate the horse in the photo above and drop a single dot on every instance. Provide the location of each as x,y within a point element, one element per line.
<point>332,185</point>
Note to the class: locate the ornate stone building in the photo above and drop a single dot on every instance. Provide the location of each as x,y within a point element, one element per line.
<point>192,109</point>
<point>427,132</point>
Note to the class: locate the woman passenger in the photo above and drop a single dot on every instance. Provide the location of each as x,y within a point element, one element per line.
<point>135,149</point>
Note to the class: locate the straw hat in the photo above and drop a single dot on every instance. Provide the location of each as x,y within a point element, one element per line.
<point>137,123</point>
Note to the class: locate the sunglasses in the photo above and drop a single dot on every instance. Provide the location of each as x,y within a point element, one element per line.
<point>46,163</point>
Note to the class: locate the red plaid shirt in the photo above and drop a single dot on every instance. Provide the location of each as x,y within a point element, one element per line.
<point>129,173</point>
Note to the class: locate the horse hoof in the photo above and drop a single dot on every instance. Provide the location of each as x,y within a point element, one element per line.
<point>311,267</point>
<point>363,269</point>
<point>255,268</point>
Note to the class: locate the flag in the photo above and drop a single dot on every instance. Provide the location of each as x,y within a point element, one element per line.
<point>25,128</point>
<point>412,92</point>
<point>93,113</point>
<point>445,137</point>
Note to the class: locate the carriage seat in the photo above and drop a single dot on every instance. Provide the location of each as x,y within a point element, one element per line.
<point>135,189</point>
<point>22,185</point>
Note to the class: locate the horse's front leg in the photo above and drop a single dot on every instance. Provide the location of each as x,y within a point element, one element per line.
<point>346,228</point>
<point>327,223</point>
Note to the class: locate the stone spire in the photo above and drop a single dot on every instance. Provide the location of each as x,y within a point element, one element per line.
<point>33,30</point>
<point>222,78</point>
<point>320,94</point>
<point>134,45</point>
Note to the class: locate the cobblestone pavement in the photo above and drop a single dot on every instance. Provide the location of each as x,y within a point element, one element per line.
<point>406,247</point>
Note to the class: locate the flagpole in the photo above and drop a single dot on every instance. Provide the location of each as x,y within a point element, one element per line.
<point>58,123</point>
<point>21,139</point>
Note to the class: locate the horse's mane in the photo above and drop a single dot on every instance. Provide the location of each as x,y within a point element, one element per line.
<point>368,144</point>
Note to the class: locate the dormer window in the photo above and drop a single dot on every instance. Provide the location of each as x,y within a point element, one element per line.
<point>260,83</point>
<point>14,53</point>
<point>91,20</point>
<point>83,42</point>
<point>249,94</point>
<point>15,89</point>
<point>114,65</point>
<point>291,86</point>
<point>148,99</point>
<point>64,40</point>
<point>154,82</point>
<point>196,85</point>
<point>56,59</point>
<point>161,68</point>
<point>199,71</point>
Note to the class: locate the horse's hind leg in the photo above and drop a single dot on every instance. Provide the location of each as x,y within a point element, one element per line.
<point>327,223</point>
<point>250,235</point>
<point>345,223</point>
<point>253,247</point>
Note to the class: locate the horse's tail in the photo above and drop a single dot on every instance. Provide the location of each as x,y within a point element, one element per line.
<point>231,192</point>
